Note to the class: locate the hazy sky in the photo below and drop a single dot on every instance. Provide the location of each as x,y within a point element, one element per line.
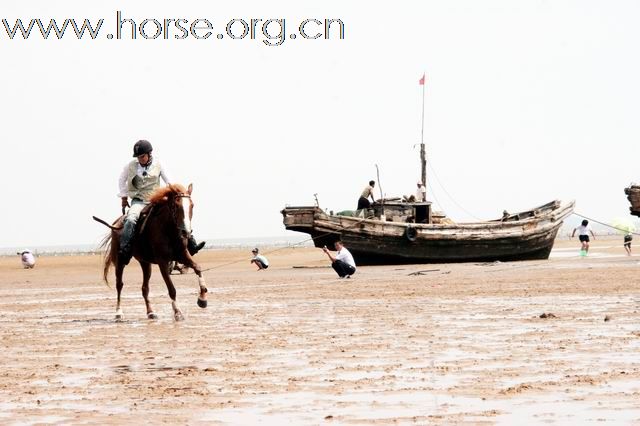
<point>526,102</point>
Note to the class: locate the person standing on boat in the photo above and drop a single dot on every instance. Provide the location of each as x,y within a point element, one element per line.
<point>583,234</point>
<point>342,262</point>
<point>421,193</point>
<point>363,201</point>
<point>139,179</point>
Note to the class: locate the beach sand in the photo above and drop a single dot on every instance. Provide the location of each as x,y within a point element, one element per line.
<point>456,343</point>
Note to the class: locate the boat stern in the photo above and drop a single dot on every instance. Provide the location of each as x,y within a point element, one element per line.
<point>303,219</point>
<point>298,218</point>
<point>633,195</point>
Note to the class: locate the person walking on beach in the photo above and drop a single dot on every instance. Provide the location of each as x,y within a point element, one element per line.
<point>178,267</point>
<point>139,179</point>
<point>627,243</point>
<point>363,201</point>
<point>260,261</point>
<point>28,259</point>
<point>342,262</point>
<point>583,235</point>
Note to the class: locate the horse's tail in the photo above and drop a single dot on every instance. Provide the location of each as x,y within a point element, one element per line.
<point>112,227</point>
<point>110,255</point>
<point>107,244</point>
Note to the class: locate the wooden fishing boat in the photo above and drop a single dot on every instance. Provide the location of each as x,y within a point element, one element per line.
<point>633,195</point>
<point>396,231</point>
<point>404,232</point>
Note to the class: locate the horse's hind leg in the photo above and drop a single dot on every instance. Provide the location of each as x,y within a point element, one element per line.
<point>119,285</point>
<point>166,275</point>
<point>202,298</point>
<point>146,276</point>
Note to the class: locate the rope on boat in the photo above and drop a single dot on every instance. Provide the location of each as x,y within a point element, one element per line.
<point>448,195</point>
<point>605,224</point>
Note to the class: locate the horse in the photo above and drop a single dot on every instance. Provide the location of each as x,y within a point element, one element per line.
<point>160,238</point>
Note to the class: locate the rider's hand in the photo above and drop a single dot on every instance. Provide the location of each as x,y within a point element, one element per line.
<point>125,202</point>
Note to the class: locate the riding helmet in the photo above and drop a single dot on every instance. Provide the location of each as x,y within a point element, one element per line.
<point>142,147</point>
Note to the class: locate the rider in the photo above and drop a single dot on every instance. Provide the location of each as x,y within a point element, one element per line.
<point>139,179</point>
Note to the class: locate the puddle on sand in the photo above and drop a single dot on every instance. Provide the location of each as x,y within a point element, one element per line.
<point>8,410</point>
<point>41,420</point>
<point>365,406</point>
<point>559,408</point>
<point>623,386</point>
<point>372,406</point>
<point>245,417</point>
<point>76,379</point>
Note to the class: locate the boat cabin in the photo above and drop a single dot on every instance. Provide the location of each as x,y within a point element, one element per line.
<point>397,211</point>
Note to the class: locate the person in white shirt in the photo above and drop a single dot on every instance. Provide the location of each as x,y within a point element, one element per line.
<point>583,235</point>
<point>260,261</point>
<point>421,193</point>
<point>27,258</point>
<point>342,262</point>
<point>139,179</point>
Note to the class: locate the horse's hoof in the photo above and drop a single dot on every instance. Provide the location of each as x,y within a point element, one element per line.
<point>202,303</point>
<point>119,318</point>
<point>179,316</point>
<point>152,315</point>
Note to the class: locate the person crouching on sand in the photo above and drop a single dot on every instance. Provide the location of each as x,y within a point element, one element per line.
<point>583,235</point>
<point>342,262</point>
<point>28,259</point>
<point>260,261</point>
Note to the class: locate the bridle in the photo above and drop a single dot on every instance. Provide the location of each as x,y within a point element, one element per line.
<point>174,210</point>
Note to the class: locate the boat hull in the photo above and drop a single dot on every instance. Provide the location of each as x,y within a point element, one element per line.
<point>376,242</point>
<point>633,195</point>
<point>400,251</point>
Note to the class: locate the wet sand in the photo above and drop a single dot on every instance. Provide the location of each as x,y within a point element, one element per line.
<point>462,343</point>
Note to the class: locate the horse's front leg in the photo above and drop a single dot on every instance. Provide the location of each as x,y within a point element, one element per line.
<point>146,276</point>
<point>166,275</point>
<point>188,261</point>
<point>119,285</point>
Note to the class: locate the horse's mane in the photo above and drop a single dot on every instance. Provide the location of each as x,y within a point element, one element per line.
<point>161,195</point>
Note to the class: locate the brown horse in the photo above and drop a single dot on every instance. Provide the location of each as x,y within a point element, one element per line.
<point>160,238</point>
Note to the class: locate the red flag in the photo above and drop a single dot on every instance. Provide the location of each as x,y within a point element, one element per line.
<point>421,82</point>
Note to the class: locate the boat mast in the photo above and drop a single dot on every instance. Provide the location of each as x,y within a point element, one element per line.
<point>423,154</point>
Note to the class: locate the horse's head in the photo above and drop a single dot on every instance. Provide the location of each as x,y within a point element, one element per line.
<point>178,199</point>
<point>183,209</point>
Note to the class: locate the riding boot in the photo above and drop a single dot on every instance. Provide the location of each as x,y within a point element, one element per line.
<point>193,246</point>
<point>124,251</point>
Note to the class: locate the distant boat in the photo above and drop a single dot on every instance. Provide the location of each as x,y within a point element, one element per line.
<point>633,195</point>
<point>385,237</point>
